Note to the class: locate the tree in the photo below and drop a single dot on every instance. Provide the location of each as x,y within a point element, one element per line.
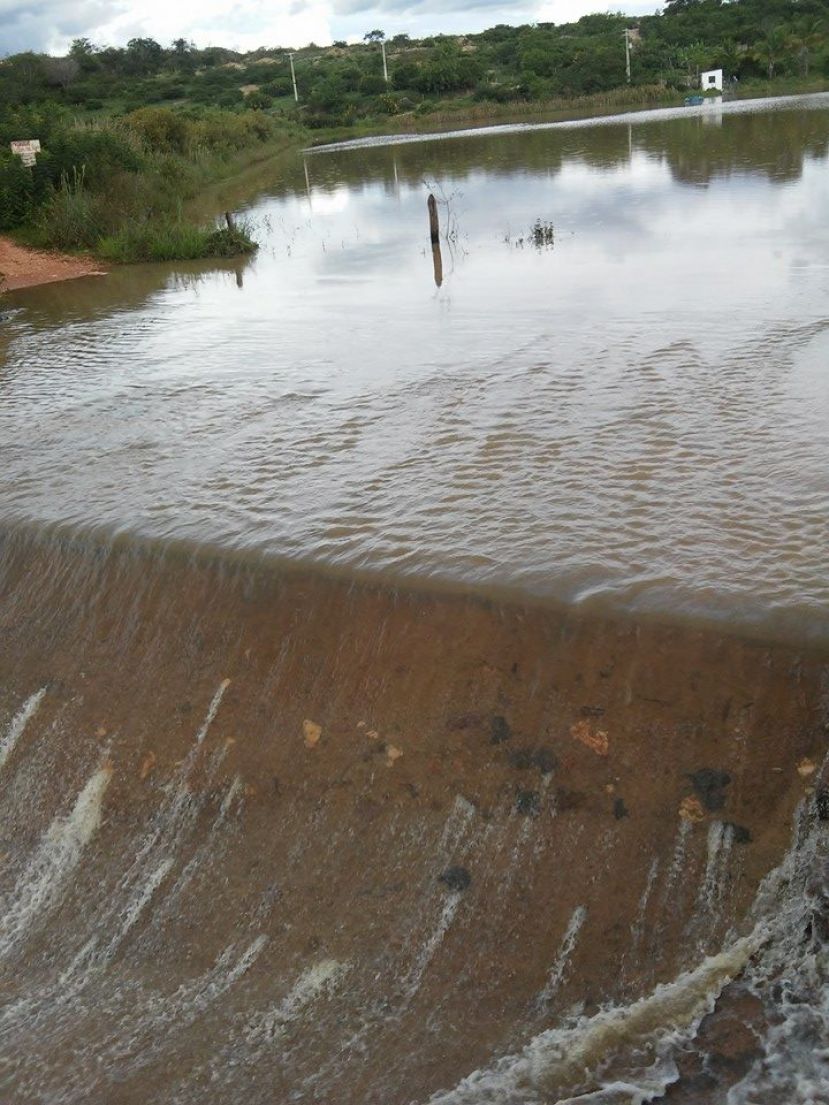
<point>143,56</point>
<point>61,71</point>
<point>694,58</point>
<point>183,57</point>
<point>729,57</point>
<point>404,75</point>
<point>375,36</point>
<point>771,48</point>
<point>25,77</point>
<point>808,36</point>
<point>326,95</point>
<point>84,53</point>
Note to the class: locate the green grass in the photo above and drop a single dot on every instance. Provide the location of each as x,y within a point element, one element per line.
<point>124,189</point>
<point>174,241</point>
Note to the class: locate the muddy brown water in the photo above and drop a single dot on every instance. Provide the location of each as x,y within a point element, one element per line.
<point>401,814</point>
<point>633,416</point>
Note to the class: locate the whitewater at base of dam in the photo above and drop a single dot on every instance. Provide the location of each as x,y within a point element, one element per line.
<point>270,836</point>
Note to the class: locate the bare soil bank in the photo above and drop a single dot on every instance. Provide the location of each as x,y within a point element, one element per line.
<point>21,267</point>
<point>275,837</point>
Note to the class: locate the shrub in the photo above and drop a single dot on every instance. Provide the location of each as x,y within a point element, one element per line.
<point>16,192</point>
<point>230,99</point>
<point>498,93</point>
<point>259,101</point>
<point>158,128</point>
<point>277,88</point>
<point>175,240</point>
<point>387,104</point>
<point>96,151</point>
<point>372,84</point>
<point>74,218</point>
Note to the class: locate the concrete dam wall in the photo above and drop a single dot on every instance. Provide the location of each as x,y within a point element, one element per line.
<point>270,836</point>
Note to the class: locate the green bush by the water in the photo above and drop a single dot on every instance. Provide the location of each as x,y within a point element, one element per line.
<point>174,241</point>
<point>117,187</point>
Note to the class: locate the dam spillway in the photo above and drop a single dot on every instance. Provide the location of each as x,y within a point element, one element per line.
<point>280,836</point>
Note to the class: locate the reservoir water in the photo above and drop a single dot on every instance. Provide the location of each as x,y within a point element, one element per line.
<point>414,665</point>
<point>631,413</point>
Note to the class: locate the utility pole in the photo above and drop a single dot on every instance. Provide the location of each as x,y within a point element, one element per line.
<point>385,67</point>
<point>627,54</point>
<point>293,78</point>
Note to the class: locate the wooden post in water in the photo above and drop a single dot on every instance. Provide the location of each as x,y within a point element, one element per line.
<point>437,261</point>
<point>231,225</point>
<point>434,225</point>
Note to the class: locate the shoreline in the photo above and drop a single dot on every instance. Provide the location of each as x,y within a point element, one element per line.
<point>25,267</point>
<point>576,110</point>
<point>469,126</point>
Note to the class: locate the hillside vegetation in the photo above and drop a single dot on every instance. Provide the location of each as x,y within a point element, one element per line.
<point>130,134</point>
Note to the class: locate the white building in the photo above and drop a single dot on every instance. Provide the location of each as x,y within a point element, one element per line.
<point>710,80</point>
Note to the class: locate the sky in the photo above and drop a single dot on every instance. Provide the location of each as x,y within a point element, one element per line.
<point>50,25</point>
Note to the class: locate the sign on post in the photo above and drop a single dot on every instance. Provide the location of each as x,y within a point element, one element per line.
<point>27,151</point>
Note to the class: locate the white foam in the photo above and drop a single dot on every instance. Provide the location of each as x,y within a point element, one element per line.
<point>432,943</point>
<point>212,710</point>
<point>18,724</point>
<point>457,823</point>
<point>42,884</point>
<point>208,850</point>
<point>638,927</point>
<point>714,883</point>
<point>317,979</point>
<point>791,976</point>
<point>145,1034</point>
<point>627,1053</point>
<point>233,792</point>
<point>136,907</point>
<point>565,951</point>
<point>561,1055</point>
<point>677,866</point>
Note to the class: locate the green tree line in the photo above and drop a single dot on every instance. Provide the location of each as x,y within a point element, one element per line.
<point>341,85</point>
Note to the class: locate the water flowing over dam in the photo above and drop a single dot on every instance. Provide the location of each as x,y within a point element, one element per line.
<point>274,836</point>
<point>416,691</point>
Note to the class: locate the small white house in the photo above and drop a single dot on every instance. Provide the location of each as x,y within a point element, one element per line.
<point>711,80</point>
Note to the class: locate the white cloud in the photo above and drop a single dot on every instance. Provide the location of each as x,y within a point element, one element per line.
<point>247,24</point>
<point>47,24</point>
<point>568,11</point>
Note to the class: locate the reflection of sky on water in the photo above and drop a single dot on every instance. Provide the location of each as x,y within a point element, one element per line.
<point>622,239</point>
<point>638,413</point>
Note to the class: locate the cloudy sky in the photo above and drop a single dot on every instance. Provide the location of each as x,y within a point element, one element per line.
<point>50,25</point>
